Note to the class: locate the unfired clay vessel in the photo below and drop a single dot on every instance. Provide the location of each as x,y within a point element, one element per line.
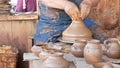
<point>102,65</point>
<point>36,50</point>
<point>112,47</point>
<point>43,56</point>
<point>77,49</point>
<point>76,30</point>
<point>93,52</point>
<point>45,53</point>
<point>55,61</point>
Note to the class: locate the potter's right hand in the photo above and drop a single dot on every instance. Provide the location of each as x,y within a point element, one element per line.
<point>72,10</point>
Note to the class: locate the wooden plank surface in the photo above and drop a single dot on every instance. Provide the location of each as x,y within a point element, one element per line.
<point>21,30</point>
<point>15,32</point>
<point>19,17</point>
<point>5,33</point>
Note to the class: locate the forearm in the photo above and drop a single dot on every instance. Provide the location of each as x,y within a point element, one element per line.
<point>58,4</point>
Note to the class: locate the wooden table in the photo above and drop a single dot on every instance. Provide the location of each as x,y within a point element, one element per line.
<point>35,62</point>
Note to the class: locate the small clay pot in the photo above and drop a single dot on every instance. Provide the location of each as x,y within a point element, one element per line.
<point>45,53</point>
<point>55,61</point>
<point>102,65</point>
<point>77,49</point>
<point>112,48</point>
<point>107,66</point>
<point>36,50</point>
<point>43,56</point>
<point>116,65</point>
<point>72,65</point>
<point>93,52</point>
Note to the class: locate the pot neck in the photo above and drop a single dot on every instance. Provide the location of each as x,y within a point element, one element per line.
<point>80,41</point>
<point>94,41</point>
<point>57,55</point>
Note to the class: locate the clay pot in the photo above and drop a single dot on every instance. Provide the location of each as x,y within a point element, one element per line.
<point>112,47</point>
<point>55,61</point>
<point>72,65</point>
<point>77,49</point>
<point>102,65</point>
<point>116,65</point>
<point>107,66</point>
<point>93,51</point>
<point>43,56</point>
<point>45,53</point>
<point>36,50</point>
<point>77,30</point>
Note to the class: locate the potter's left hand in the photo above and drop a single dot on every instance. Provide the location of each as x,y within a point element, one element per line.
<point>86,6</point>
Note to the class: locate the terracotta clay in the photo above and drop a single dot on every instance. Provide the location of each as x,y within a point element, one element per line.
<point>55,61</point>
<point>112,47</point>
<point>93,52</point>
<point>36,50</point>
<point>77,49</point>
<point>102,65</point>
<point>77,30</point>
<point>43,56</point>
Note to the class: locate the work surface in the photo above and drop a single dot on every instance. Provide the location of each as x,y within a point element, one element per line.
<point>19,17</point>
<point>35,62</point>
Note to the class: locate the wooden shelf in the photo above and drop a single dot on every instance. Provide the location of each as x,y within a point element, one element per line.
<point>19,17</point>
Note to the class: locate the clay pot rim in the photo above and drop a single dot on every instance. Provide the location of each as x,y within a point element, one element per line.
<point>36,49</point>
<point>113,40</point>
<point>80,40</point>
<point>113,51</point>
<point>102,64</point>
<point>57,54</point>
<point>93,41</point>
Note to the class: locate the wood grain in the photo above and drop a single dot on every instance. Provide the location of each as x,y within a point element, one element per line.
<point>5,33</point>
<point>15,32</point>
<point>19,17</point>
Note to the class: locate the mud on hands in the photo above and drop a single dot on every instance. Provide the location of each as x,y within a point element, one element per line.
<point>86,6</point>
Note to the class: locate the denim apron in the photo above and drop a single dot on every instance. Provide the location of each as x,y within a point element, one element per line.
<point>53,22</point>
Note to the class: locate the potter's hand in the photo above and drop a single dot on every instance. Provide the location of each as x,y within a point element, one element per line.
<point>72,10</point>
<point>85,10</point>
<point>86,6</point>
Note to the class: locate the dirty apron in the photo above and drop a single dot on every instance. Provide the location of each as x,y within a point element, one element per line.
<point>53,22</point>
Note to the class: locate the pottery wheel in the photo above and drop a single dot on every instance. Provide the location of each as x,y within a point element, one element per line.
<point>65,41</point>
